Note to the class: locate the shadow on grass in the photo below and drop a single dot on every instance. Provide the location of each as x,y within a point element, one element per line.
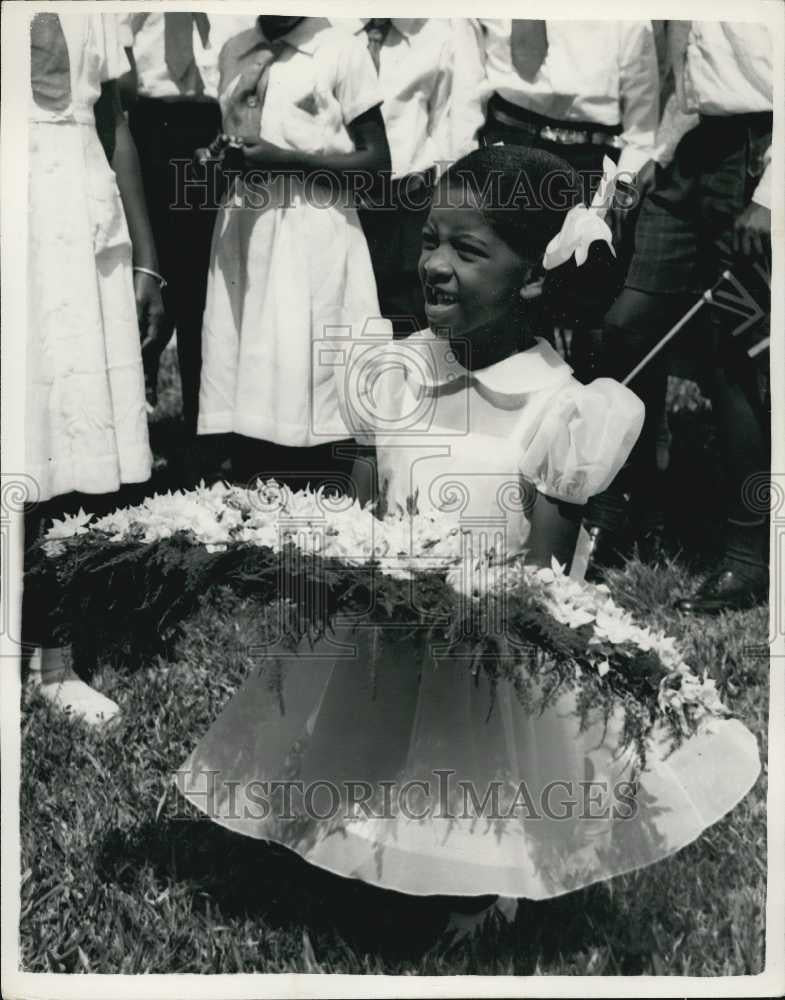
<point>250,879</point>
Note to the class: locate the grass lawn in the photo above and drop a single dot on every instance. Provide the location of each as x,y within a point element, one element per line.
<point>116,880</point>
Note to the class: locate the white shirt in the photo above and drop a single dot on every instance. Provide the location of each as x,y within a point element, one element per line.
<point>144,33</point>
<point>728,71</point>
<point>602,72</point>
<point>415,76</point>
<point>320,83</point>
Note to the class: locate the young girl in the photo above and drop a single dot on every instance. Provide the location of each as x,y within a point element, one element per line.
<point>288,252</point>
<point>474,408</point>
<point>94,290</point>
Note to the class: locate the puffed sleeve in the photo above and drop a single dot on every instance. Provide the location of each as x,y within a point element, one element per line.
<point>581,440</point>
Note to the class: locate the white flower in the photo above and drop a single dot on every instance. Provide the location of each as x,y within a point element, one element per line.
<point>614,627</point>
<point>690,699</point>
<point>582,227</point>
<point>118,524</point>
<point>69,525</point>
<point>557,567</point>
<point>401,544</point>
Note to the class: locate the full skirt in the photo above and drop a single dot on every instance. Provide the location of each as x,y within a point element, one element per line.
<point>415,775</point>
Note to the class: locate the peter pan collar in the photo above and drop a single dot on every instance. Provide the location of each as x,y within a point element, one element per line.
<point>539,367</point>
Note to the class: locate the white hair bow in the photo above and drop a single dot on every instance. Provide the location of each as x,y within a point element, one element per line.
<point>583,225</point>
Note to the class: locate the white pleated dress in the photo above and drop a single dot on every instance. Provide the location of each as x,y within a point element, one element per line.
<point>586,810</point>
<point>85,415</point>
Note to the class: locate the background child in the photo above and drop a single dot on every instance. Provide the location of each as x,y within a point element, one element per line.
<point>289,255</point>
<point>414,61</point>
<point>94,287</point>
<point>581,90</point>
<point>172,99</point>
<point>708,212</point>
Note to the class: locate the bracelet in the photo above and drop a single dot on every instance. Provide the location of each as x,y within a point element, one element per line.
<point>162,282</point>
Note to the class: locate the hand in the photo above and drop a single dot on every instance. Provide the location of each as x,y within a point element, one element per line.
<point>266,155</point>
<point>128,85</point>
<point>752,232</point>
<point>645,179</point>
<point>153,328</point>
<point>215,152</point>
<point>629,198</point>
<point>204,155</point>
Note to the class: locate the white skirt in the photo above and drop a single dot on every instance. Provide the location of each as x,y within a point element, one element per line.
<point>85,415</point>
<point>282,277</point>
<point>414,778</point>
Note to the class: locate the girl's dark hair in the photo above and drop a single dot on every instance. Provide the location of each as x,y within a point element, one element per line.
<point>525,195</point>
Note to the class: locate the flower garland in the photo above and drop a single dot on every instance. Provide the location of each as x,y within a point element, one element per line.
<point>144,568</point>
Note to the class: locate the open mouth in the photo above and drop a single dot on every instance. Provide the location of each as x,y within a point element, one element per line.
<point>435,296</point>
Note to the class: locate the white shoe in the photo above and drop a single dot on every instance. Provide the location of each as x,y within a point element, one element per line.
<point>62,687</point>
<point>83,702</point>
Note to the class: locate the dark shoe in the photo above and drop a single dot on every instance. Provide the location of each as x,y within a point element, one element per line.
<point>729,589</point>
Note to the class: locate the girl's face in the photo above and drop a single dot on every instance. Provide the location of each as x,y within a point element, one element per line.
<point>471,279</point>
<point>275,27</point>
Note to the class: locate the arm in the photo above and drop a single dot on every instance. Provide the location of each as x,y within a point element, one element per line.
<point>752,228</point>
<point>674,125</point>
<point>125,163</point>
<point>470,94</point>
<point>128,84</point>
<point>370,156</point>
<point>639,87</point>
<point>639,93</point>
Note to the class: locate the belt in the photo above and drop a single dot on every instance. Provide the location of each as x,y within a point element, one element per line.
<point>542,128</point>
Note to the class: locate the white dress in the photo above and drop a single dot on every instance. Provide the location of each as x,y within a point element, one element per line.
<point>289,259</point>
<point>424,723</point>
<point>86,422</point>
